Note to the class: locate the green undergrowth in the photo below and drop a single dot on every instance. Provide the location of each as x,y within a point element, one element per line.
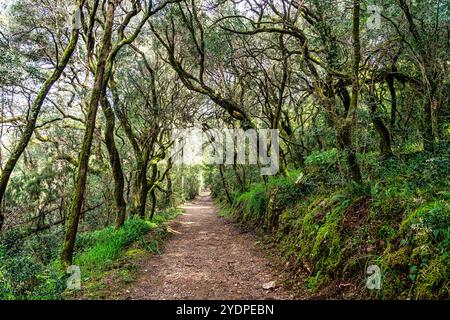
<point>332,231</point>
<point>107,258</point>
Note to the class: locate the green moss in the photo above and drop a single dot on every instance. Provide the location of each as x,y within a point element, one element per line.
<point>135,252</point>
<point>434,280</point>
<point>402,225</point>
<point>397,258</point>
<point>328,247</point>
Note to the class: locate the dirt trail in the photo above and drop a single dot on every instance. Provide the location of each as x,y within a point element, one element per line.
<point>207,258</point>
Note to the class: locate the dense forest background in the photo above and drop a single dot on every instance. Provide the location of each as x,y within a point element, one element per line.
<point>90,91</point>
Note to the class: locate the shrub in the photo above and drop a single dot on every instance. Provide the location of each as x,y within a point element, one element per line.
<point>27,273</point>
<point>321,158</point>
<point>109,242</point>
<point>399,220</point>
<point>252,202</point>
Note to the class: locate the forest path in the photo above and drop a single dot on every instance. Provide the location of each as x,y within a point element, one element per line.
<point>207,258</point>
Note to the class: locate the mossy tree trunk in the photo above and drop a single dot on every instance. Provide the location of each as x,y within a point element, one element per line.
<point>429,63</point>
<point>142,156</point>
<point>378,123</point>
<point>157,178</point>
<point>345,144</point>
<point>391,85</point>
<point>383,132</point>
<point>225,185</point>
<point>153,198</point>
<point>168,201</point>
<point>141,185</point>
<point>345,121</point>
<point>151,184</point>
<point>103,72</point>
<point>345,132</point>
<point>114,161</point>
<point>428,131</point>
<point>83,162</point>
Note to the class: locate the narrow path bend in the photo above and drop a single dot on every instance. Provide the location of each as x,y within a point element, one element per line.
<point>207,258</point>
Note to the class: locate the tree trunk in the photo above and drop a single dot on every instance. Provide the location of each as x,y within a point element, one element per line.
<point>380,127</point>
<point>153,198</point>
<point>140,188</point>
<point>182,187</point>
<point>114,161</point>
<point>225,186</point>
<point>169,192</point>
<point>428,134</point>
<point>391,85</point>
<point>142,200</point>
<point>383,132</point>
<point>83,163</point>
<point>151,188</point>
<point>346,147</point>
<point>351,119</point>
<point>429,111</point>
<point>283,163</point>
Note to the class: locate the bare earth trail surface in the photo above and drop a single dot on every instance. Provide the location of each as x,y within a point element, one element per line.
<point>207,258</point>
